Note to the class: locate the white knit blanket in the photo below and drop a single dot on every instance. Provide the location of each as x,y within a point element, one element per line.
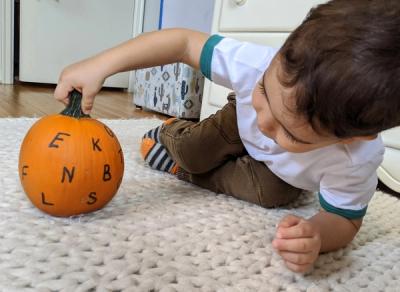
<point>161,234</point>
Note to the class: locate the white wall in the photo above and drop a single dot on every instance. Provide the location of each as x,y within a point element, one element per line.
<point>193,14</point>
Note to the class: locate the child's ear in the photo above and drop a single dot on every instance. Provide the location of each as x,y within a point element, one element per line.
<point>358,138</point>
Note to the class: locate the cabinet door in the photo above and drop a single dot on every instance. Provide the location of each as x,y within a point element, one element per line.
<point>264,15</point>
<point>54,34</point>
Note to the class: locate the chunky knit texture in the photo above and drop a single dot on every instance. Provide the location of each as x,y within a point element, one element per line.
<point>162,234</point>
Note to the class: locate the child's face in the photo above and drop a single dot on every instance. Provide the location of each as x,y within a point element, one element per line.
<point>276,119</point>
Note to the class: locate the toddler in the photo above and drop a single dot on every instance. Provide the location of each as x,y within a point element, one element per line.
<point>306,116</point>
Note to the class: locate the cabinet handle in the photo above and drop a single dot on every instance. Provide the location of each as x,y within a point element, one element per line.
<point>240,2</point>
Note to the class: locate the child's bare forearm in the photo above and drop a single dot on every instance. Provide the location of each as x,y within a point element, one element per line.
<point>153,49</point>
<point>335,231</point>
<point>150,49</point>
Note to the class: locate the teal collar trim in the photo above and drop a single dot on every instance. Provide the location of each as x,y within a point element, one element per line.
<point>349,214</point>
<point>207,53</point>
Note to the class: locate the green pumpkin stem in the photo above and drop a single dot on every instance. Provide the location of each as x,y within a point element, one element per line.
<point>73,108</point>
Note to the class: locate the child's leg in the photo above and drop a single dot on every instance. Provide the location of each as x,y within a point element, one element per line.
<point>200,147</point>
<point>245,179</point>
<point>197,147</point>
<point>210,154</point>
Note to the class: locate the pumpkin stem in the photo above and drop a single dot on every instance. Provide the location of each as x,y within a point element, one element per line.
<point>73,108</point>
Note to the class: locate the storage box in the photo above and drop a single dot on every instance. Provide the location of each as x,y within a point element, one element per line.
<point>174,89</point>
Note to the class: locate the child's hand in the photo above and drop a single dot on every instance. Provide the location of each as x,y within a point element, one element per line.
<point>298,242</point>
<point>86,77</point>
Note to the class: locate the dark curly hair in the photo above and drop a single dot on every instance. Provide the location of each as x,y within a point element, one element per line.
<point>343,63</point>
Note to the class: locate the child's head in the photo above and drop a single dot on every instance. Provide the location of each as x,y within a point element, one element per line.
<point>337,75</point>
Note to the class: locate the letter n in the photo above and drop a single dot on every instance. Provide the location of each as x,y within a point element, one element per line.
<point>68,173</point>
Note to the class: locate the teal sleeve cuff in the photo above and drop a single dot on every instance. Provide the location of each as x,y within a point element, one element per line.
<point>349,214</point>
<point>207,53</point>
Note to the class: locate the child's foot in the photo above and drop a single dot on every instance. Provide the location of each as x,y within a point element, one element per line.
<point>155,133</point>
<point>155,154</point>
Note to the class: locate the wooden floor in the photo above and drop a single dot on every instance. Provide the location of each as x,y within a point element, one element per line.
<point>36,100</point>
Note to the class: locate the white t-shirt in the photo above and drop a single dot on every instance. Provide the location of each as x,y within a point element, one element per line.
<point>344,175</point>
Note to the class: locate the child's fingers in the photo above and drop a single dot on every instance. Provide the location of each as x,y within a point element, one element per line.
<point>295,245</point>
<point>297,258</point>
<point>289,220</point>
<point>298,268</point>
<point>301,230</point>
<point>87,100</point>
<point>62,91</point>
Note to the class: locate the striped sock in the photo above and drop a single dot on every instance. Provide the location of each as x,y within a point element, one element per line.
<point>156,155</point>
<point>153,134</point>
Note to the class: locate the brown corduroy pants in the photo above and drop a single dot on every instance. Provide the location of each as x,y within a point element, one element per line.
<point>210,154</point>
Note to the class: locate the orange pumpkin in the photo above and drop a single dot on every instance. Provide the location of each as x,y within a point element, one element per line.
<point>69,163</point>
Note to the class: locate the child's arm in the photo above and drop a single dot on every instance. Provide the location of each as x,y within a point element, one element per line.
<point>299,241</point>
<point>147,50</point>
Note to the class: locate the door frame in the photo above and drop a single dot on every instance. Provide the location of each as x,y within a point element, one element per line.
<point>138,17</point>
<point>7,41</point>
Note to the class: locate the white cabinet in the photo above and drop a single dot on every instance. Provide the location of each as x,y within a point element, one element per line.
<point>389,170</point>
<point>263,15</point>
<point>266,22</point>
<point>54,34</point>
